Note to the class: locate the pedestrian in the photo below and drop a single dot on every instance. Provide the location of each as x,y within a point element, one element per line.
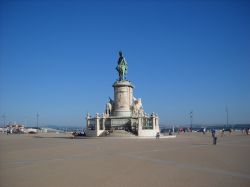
<point>222,132</point>
<point>214,137</point>
<point>157,135</point>
<point>204,131</point>
<point>170,132</point>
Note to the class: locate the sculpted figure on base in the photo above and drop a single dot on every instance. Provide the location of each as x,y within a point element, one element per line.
<point>109,107</point>
<point>137,109</point>
<point>122,67</point>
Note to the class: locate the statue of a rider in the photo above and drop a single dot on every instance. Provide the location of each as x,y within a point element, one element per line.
<point>122,67</point>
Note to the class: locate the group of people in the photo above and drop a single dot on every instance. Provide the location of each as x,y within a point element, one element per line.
<point>245,130</point>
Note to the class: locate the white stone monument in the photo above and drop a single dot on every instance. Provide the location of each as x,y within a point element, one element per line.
<point>124,112</point>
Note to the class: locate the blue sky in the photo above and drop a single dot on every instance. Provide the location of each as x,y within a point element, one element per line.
<point>58,58</point>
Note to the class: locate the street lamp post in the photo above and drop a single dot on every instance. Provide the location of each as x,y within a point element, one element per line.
<point>227,115</point>
<point>3,116</point>
<point>191,120</point>
<point>37,117</point>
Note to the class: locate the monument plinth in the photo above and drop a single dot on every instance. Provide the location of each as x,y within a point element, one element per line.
<point>124,112</point>
<point>123,99</point>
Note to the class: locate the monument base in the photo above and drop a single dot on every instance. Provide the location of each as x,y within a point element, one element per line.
<point>140,126</point>
<point>122,113</point>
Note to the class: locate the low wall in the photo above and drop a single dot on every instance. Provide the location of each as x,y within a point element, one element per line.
<point>93,133</point>
<point>147,132</point>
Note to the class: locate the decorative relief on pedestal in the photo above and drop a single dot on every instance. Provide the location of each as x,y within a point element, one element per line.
<point>137,109</point>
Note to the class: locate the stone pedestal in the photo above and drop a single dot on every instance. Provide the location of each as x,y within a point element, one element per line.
<point>120,121</point>
<point>123,98</point>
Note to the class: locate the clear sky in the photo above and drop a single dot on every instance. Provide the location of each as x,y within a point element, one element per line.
<point>58,58</point>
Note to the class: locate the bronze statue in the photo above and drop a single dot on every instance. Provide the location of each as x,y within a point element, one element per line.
<point>122,67</point>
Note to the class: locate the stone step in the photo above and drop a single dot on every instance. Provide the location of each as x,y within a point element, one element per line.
<point>121,133</point>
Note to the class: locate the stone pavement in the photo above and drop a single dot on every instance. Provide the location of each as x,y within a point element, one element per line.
<point>188,160</point>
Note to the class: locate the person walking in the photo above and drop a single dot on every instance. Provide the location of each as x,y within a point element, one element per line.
<point>214,137</point>
<point>247,131</point>
<point>157,135</point>
<point>222,132</point>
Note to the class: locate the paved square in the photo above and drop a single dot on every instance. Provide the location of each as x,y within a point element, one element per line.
<point>188,160</point>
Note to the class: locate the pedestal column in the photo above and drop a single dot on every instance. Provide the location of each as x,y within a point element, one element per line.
<point>153,117</point>
<point>87,121</point>
<point>123,98</point>
<point>157,122</point>
<point>103,121</point>
<point>97,122</point>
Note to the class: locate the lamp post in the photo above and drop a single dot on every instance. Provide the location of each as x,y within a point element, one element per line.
<point>191,119</point>
<point>3,116</point>
<point>227,115</point>
<point>37,117</point>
